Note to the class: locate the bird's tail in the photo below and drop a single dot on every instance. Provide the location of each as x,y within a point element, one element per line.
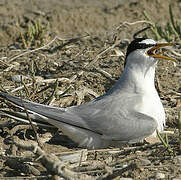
<point>22,116</point>
<point>29,107</point>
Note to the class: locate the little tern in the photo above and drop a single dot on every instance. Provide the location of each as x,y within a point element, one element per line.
<point>127,113</point>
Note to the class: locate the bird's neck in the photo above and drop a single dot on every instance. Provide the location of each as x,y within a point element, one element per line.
<point>138,79</point>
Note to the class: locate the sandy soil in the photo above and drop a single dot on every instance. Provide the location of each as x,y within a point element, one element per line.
<point>94,25</point>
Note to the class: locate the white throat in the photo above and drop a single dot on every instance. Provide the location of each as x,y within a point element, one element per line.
<point>140,80</point>
<point>139,73</point>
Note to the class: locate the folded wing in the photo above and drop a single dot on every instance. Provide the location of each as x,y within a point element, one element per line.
<point>101,116</point>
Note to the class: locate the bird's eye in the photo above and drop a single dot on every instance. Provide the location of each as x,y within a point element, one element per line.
<point>140,46</point>
<point>156,51</point>
<point>144,46</point>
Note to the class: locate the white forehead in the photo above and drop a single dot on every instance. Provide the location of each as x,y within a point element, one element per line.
<point>148,41</point>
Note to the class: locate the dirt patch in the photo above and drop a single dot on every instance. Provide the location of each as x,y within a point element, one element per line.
<point>93,24</point>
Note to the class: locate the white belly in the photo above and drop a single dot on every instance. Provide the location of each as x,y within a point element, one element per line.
<point>151,105</point>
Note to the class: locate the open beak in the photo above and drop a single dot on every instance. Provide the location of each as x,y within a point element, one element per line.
<point>152,52</point>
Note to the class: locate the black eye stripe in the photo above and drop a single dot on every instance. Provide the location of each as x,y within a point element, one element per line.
<point>143,46</point>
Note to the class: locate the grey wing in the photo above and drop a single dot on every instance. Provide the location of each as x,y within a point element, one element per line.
<point>111,118</point>
<point>102,116</point>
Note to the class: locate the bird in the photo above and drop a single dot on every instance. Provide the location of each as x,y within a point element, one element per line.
<point>127,113</point>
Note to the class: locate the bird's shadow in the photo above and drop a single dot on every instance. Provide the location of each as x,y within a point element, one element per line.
<point>63,140</point>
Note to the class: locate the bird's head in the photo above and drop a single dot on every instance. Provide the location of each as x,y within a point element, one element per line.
<point>145,52</point>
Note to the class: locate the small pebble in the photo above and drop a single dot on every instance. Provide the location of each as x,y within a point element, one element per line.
<point>178,74</point>
<point>39,78</point>
<point>145,162</point>
<point>58,93</point>
<point>177,160</point>
<point>17,78</point>
<point>15,63</point>
<point>159,175</point>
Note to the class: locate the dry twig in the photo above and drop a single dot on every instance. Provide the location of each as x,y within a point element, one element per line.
<point>51,162</point>
<point>31,123</point>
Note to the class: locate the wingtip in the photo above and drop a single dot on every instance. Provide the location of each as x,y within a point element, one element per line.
<point>7,97</point>
<point>3,94</point>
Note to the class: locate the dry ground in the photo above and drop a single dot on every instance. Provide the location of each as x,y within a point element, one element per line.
<point>80,57</point>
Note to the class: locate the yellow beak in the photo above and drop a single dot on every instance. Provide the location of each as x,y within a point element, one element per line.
<point>157,46</point>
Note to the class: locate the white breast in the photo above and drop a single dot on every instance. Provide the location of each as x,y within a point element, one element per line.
<point>151,105</point>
